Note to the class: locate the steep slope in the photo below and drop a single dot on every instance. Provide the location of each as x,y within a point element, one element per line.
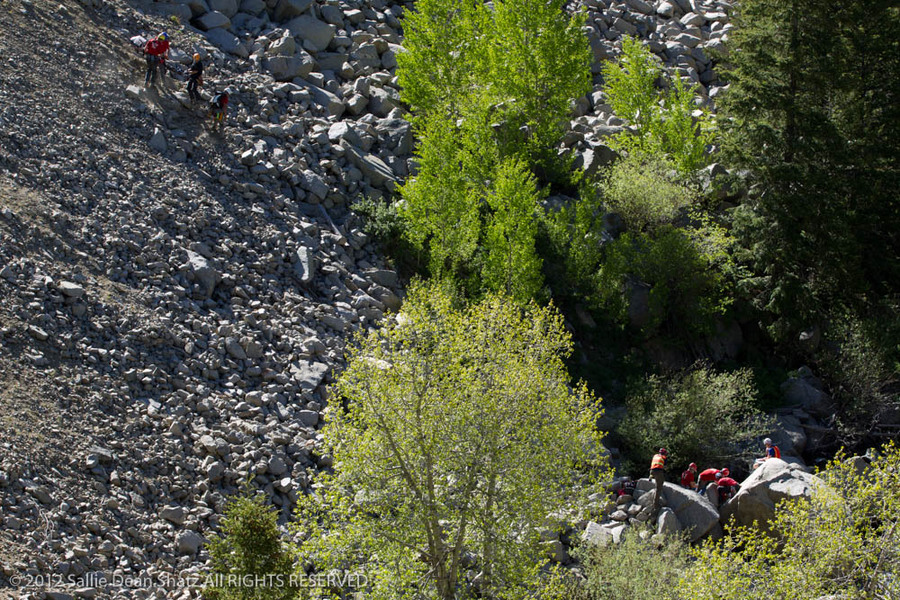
<point>174,300</point>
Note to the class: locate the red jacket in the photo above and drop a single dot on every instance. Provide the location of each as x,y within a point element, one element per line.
<point>687,479</point>
<point>157,47</point>
<point>727,482</point>
<point>708,475</point>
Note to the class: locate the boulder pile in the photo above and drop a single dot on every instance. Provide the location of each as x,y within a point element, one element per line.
<point>173,301</point>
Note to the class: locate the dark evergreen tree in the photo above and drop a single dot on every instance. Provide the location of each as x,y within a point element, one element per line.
<point>812,115</point>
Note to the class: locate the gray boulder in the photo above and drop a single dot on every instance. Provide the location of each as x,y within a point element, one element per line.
<point>602,535</point>
<point>667,523</point>
<point>286,68</point>
<point>695,512</point>
<point>774,481</point>
<point>287,9</point>
<point>805,391</point>
<point>229,8</point>
<point>305,267</point>
<point>372,167</point>
<point>312,30</point>
<point>213,20</point>
<point>227,42</point>
<point>188,542</point>
<point>202,273</point>
<point>284,46</point>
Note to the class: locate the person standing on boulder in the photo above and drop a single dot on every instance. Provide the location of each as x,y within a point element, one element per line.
<point>688,477</point>
<point>195,79</point>
<point>657,472</point>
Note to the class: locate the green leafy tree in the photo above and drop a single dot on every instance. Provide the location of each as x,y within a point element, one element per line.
<point>443,40</point>
<point>699,415</point>
<point>664,122</point>
<point>249,561</point>
<point>538,61</point>
<point>458,436</point>
<point>441,204</point>
<point>512,264</point>
<point>487,85</point>
<point>842,542</point>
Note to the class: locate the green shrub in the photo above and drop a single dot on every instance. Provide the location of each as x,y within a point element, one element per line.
<point>634,568</point>
<point>249,560</point>
<point>699,415</point>
<point>645,191</point>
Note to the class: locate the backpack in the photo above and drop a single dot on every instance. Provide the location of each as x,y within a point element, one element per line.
<point>777,451</point>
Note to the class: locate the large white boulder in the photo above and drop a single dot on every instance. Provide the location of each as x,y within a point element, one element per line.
<point>694,512</point>
<point>774,481</point>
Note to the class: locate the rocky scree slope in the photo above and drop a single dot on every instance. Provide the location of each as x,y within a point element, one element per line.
<point>173,301</point>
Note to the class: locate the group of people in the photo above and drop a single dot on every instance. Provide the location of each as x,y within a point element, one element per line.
<point>156,52</point>
<point>708,481</point>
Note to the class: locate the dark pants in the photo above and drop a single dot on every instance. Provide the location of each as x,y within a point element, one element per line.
<point>193,84</point>
<point>152,67</point>
<point>660,477</point>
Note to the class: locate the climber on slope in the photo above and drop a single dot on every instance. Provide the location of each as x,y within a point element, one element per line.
<point>195,79</point>
<point>155,52</point>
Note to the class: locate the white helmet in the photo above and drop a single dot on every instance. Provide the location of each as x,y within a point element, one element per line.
<point>767,441</point>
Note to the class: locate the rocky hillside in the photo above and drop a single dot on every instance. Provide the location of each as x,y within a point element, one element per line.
<point>174,300</point>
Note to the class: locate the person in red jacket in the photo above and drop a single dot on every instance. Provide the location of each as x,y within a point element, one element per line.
<point>727,488</point>
<point>688,478</point>
<point>708,476</point>
<point>155,52</point>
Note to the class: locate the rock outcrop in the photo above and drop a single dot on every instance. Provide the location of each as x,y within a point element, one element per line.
<point>774,481</point>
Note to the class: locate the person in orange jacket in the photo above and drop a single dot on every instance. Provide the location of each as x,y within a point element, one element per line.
<point>658,473</point>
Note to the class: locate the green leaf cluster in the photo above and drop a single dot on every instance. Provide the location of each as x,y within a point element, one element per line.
<point>249,560</point>
<point>634,568</point>
<point>459,435</point>
<point>663,283</point>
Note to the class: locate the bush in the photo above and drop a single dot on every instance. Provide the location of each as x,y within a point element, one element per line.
<point>250,551</point>
<point>634,568</point>
<point>699,416</point>
<point>664,121</point>
<point>644,190</point>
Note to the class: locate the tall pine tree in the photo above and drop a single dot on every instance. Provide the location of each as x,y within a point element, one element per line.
<point>812,114</point>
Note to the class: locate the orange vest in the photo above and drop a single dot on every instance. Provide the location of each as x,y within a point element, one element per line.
<point>658,462</point>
